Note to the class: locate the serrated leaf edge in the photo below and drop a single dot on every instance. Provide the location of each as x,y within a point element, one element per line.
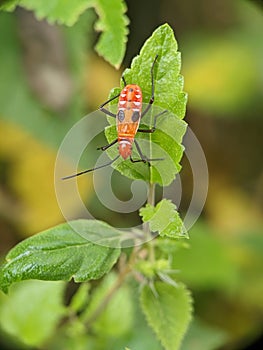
<point>151,325</point>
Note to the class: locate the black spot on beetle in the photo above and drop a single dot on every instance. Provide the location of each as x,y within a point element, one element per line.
<point>131,89</point>
<point>121,115</point>
<point>135,116</point>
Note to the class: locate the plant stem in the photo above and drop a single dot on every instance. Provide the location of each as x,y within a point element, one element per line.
<point>151,194</point>
<point>151,201</point>
<point>104,303</point>
<point>122,275</point>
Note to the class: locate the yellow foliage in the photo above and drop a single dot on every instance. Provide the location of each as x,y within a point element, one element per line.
<point>231,210</point>
<point>31,180</point>
<point>218,78</point>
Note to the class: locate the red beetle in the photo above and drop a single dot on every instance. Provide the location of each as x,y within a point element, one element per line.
<point>128,120</point>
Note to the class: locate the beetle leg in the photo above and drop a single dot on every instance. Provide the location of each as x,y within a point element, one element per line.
<point>104,110</point>
<point>149,131</point>
<point>152,97</point>
<point>103,148</point>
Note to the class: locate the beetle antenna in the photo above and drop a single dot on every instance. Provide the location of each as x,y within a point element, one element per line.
<point>124,81</point>
<point>89,170</point>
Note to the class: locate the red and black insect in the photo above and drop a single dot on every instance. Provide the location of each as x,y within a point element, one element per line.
<point>128,120</point>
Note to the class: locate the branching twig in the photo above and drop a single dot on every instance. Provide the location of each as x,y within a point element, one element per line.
<point>118,283</point>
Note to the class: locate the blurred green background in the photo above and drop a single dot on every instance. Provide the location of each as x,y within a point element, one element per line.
<point>50,77</point>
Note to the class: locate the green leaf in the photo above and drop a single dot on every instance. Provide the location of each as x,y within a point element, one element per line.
<point>112,23</point>
<point>168,312</point>
<point>62,252</point>
<point>165,219</point>
<point>8,5</point>
<point>61,11</point>
<point>32,311</point>
<point>168,81</point>
<point>166,141</point>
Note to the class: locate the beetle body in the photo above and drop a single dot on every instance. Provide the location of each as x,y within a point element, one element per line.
<point>128,118</point>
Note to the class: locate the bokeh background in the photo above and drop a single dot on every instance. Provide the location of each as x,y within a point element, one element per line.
<point>50,77</point>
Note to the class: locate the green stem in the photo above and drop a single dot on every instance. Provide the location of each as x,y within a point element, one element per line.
<point>88,320</point>
<point>151,201</point>
<point>151,194</point>
<point>106,299</point>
